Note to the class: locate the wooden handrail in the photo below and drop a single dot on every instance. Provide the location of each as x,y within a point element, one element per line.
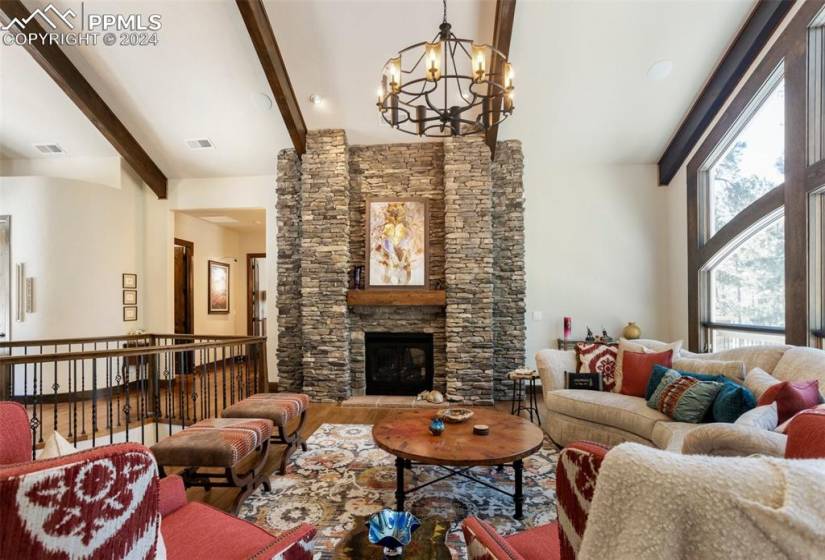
<point>92,339</point>
<point>127,352</point>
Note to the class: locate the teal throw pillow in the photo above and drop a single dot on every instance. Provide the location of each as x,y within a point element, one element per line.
<point>732,401</point>
<point>684,398</point>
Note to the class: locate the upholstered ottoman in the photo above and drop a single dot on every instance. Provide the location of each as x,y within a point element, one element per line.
<point>281,408</point>
<point>218,442</point>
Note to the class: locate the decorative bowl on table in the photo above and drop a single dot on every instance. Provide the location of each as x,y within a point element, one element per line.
<point>456,415</point>
<point>393,530</point>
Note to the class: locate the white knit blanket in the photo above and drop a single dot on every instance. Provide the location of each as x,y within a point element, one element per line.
<point>652,504</point>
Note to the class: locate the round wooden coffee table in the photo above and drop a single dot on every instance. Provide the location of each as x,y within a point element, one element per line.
<point>458,449</point>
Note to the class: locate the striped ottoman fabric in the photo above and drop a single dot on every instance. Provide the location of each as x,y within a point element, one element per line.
<point>278,407</point>
<point>214,442</point>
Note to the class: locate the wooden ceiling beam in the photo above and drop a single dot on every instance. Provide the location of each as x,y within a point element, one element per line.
<point>502,33</point>
<point>752,38</point>
<point>263,39</point>
<point>57,65</point>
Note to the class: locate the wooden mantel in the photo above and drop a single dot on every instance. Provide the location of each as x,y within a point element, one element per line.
<point>397,297</point>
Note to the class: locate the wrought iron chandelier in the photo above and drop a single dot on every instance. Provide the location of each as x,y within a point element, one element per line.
<point>446,87</point>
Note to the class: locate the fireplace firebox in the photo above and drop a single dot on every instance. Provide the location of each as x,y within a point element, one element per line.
<point>398,363</point>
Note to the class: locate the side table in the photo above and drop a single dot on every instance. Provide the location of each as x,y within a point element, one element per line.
<point>524,389</point>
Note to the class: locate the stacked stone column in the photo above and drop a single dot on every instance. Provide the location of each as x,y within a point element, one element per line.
<point>325,266</point>
<point>468,269</point>
<point>289,353</point>
<point>508,264</point>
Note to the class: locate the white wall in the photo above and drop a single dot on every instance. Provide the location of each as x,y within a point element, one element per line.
<point>596,249</point>
<point>216,243</point>
<point>76,238</point>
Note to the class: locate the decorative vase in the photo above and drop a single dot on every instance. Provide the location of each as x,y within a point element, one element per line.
<point>437,426</point>
<point>392,530</point>
<point>632,331</point>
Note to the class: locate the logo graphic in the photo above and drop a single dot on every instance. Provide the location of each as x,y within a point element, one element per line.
<point>43,16</point>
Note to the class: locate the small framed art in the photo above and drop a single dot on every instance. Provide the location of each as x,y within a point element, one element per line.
<point>129,281</point>
<point>130,313</point>
<point>129,297</point>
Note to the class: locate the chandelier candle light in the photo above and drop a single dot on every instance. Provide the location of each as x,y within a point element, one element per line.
<point>446,87</point>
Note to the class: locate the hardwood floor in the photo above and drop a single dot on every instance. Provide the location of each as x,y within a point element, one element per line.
<point>318,414</point>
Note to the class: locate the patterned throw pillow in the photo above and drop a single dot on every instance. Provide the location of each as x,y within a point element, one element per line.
<point>682,398</point>
<point>731,402</point>
<point>598,358</point>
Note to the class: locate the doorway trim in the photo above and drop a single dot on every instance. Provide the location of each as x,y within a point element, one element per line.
<point>250,257</point>
<point>190,289</point>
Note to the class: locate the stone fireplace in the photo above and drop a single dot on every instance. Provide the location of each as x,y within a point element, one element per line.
<point>475,317</point>
<point>398,363</point>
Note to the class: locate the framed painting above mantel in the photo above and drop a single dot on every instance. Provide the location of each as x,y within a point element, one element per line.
<point>397,243</point>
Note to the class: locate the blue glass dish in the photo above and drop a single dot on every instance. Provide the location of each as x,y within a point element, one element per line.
<point>392,529</point>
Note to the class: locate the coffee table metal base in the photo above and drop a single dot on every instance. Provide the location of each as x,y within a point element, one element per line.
<point>401,492</point>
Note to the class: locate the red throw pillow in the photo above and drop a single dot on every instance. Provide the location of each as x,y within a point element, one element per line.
<point>637,367</point>
<point>791,397</point>
<point>806,436</point>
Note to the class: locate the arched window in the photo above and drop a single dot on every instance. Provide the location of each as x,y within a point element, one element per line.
<point>753,162</point>
<point>746,288</point>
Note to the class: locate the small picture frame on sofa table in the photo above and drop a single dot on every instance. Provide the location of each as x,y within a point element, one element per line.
<point>586,381</point>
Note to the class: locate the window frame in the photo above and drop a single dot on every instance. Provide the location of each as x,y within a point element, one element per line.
<point>750,110</point>
<point>788,53</point>
<point>708,325</point>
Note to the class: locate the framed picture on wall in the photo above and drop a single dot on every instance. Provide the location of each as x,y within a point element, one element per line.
<point>218,287</point>
<point>129,281</point>
<point>130,313</point>
<point>129,297</point>
<point>397,245</point>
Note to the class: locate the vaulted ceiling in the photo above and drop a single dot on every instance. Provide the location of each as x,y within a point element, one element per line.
<point>581,75</point>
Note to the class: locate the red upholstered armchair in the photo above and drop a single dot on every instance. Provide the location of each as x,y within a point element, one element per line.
<point>575,483</point>
<point>108,502</point>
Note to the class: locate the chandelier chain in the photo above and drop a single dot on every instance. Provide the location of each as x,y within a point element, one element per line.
<point>444,12</point>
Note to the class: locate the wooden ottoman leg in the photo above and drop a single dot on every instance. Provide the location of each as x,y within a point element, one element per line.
<point>249,481</point>
<point>298,435</point>
<point>290,447</point>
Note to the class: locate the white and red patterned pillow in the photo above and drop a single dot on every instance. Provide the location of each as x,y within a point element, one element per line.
<point>598,358</point>
<point>101,503</point>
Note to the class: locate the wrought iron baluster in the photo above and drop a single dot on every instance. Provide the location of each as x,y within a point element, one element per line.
<point>223,376</point>
<point>83,389</point>
<point>127,407</point>
<point>38,389</point>
<point>55,387</point>
<point>94,404</point>
<point>118,379</point>
<point>141,398</point>
<point>232,374</point>
<point>215,384</point>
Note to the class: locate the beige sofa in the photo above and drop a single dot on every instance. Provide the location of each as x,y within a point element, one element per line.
<point>613,418</point>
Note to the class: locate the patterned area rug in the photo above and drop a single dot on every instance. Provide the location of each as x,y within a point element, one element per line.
<point>343,475</point>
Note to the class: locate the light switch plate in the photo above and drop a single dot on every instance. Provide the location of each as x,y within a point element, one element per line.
<point>538,315</point>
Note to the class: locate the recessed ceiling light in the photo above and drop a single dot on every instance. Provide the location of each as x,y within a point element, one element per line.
<point>316,99</point>
<point>261,100</point>
<point>220,219</point>
<point>660,70</point>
